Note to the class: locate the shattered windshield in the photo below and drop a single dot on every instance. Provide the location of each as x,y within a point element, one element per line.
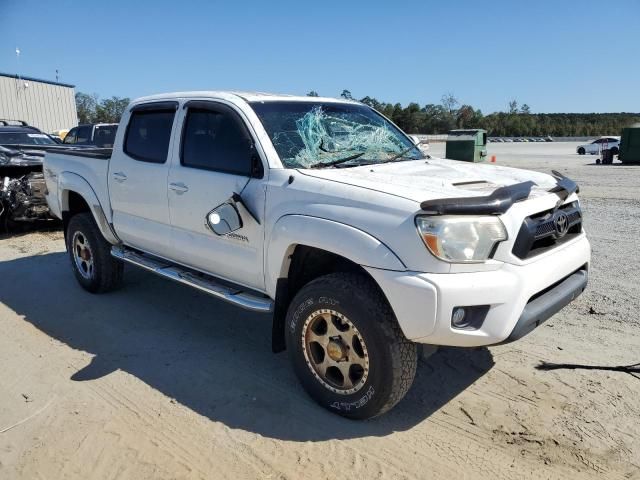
<point>307,134</point>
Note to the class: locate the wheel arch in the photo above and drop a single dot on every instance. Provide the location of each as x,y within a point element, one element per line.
<point>303,248</point>
<point>338,238</point>
<point>76,196</point>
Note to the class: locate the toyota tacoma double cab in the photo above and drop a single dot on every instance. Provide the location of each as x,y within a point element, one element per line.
<point>326,216</point>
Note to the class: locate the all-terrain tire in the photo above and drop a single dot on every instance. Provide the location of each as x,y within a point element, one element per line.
<point>106,273</point>
<point>392,359</point>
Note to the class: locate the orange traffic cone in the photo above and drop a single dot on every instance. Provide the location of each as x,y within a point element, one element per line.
<point>493,159</point>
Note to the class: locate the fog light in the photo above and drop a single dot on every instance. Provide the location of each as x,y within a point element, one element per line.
<point>458,317</point>
<point>470,317</point>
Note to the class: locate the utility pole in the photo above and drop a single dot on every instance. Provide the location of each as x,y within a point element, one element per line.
<point>18,63</point>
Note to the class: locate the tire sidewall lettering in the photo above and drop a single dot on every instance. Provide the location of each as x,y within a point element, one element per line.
<point>361,402</point>
<point>332,302</point>
<point>307,304</point>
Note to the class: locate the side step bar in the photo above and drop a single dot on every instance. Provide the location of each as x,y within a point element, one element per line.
<point>200,281</point>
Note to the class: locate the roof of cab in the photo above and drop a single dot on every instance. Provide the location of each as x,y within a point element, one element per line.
<point>246,96</point>
<point>98,125</point>
<point>19,128</point>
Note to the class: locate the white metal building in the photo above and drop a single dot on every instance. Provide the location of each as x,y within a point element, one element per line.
<point>44,104</point>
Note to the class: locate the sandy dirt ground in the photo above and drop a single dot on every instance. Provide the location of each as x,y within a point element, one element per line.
<point>160,381</point>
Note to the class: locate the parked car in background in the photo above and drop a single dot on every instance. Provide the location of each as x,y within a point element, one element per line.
<point>18,132</point>
<point>595,147</point>
<point>93,135</point>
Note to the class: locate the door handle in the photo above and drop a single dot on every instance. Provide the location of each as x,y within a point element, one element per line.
<point>179,188</point>
<point>119,176</point>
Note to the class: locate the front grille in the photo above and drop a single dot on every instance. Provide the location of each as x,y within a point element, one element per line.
<point>543,231</point>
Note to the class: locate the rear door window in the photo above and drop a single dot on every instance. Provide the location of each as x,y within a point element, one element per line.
<point>148,135</point>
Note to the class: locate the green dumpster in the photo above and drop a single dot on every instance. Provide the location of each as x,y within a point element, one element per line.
<point>630,145</point>
<point>469,145</point>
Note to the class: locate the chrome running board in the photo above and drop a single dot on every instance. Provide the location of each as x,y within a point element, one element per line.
<point>197,280</point>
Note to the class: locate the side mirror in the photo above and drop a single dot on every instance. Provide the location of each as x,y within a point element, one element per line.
<point>224,219</point>
<point>421,144</point>
<point>416,140</point>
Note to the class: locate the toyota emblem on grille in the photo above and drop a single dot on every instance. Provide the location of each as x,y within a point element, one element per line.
<point>561,222</point>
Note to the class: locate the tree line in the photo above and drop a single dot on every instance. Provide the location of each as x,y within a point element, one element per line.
<point>93,110</point>
<point>449,114</point>
<point>516,121</point>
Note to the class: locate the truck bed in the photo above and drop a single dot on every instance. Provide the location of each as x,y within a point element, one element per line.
<point>90,152</point>
<point>91,164</point>
<point>94,152</point>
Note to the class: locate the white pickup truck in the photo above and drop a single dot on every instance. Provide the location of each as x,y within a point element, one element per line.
<point>324,214</point>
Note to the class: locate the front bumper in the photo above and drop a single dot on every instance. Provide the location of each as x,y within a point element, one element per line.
<point>543,307</point>
<point>520,297</point>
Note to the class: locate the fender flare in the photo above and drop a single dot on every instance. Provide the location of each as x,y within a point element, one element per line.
<point>72,182</point>
<point>339,238</point>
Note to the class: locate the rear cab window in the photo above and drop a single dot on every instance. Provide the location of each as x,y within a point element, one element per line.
<point>149,132</point>
<point>104,135</point>
<point>83,135</point>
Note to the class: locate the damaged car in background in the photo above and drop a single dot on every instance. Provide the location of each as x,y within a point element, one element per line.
<point>22,186</point>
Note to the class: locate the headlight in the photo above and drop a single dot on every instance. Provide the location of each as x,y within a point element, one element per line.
<point>4,158</point>
<point>460,238</point>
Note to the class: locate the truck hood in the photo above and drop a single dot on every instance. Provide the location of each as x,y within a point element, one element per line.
<point>435,178</point>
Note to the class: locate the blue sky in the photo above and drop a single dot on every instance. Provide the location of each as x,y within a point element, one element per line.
<point>557,56</point>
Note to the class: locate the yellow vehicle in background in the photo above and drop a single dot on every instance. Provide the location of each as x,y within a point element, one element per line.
<point>60,133</point>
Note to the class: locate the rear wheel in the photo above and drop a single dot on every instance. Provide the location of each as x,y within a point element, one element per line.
<point>90,254</point>
<point>581,151</point>
<point>346,346</point>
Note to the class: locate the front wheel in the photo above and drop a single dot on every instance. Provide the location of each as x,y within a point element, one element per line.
<point>347,348</point>
<point>581,151</point>
<point>90,254</point>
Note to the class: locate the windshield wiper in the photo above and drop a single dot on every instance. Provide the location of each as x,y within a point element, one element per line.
<point>336,162</point>
<point>402,154</point>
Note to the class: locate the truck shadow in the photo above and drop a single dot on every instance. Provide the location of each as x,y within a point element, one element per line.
<point>18,229</point>
<point>209,356</point>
